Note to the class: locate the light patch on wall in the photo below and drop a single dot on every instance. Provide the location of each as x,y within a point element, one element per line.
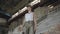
<point>50,6</point>
<point>2,20</point>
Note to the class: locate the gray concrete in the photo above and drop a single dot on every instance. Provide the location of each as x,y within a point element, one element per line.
<point>49,22</point>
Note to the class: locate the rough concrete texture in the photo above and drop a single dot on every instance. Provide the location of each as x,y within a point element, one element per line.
<point>48,23</point>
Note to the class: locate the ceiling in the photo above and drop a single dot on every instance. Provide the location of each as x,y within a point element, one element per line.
<point>12,6</point>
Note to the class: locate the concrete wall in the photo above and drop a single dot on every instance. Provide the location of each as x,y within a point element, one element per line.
<point>3,29</point>
<point>50,22</point>
<point>3,21</point>
<point>14,25</point>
